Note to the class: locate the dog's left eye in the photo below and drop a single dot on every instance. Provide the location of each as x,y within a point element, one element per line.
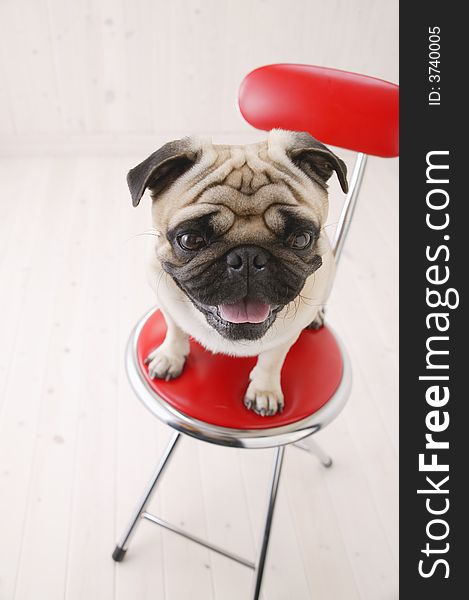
<point>191,241</point>
<point>300,241</point>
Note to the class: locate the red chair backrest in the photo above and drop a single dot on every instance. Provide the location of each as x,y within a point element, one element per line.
<point>343,109</point>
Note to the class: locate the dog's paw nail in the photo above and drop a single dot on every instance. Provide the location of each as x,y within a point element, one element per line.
<point>265,403</point>
<point>164,366</point>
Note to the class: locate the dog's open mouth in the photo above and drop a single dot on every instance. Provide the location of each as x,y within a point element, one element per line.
<point>245,319</point>
<point>245,311</point>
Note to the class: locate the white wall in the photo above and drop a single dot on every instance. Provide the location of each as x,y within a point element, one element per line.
<point>83,69</point>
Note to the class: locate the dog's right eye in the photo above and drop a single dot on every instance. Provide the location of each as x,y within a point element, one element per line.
<point>191,241</point>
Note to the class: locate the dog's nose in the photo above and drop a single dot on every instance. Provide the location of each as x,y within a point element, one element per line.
<point>247,258</point>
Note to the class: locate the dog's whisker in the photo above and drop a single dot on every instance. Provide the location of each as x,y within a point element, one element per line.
<point>158,282</point>
<point>149,233</point>
<point>334,224</point>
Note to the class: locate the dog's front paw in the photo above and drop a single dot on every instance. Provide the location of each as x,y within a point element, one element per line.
<point>163,364</point>
<point>263,402</point>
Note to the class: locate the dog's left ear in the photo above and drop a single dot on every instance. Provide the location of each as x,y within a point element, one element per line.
<point>161,168</point>
<point>316,160</point>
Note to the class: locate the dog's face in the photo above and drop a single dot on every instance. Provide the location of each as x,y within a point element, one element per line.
<point>239,227</point>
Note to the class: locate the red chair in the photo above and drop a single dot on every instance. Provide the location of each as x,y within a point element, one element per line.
<point>342,109</point>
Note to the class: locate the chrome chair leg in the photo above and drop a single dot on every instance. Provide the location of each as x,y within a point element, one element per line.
<point>121,548</point>
<point>309,445</point>
<point>260,564</point>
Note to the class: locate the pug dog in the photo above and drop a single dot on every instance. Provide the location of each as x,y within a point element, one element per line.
<point>240,260</point>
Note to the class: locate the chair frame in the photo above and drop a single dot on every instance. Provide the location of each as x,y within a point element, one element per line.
<point>276,437</point>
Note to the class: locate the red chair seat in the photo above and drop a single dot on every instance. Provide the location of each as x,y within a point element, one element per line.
<point>212,386</point>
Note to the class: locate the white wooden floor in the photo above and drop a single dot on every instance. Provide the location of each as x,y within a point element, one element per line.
<point>76,447</point>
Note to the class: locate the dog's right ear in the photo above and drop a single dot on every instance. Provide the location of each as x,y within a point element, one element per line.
<point>161,168</point>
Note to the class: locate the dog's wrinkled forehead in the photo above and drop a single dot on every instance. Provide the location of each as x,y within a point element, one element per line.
<point>289,167</point>
<point>222,170</point>
<point>245,168</point>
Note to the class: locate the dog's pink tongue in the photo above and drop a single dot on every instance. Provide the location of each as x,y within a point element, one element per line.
<point>244,311</point>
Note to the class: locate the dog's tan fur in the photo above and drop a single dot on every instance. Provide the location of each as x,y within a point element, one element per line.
<point>247,185</point>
